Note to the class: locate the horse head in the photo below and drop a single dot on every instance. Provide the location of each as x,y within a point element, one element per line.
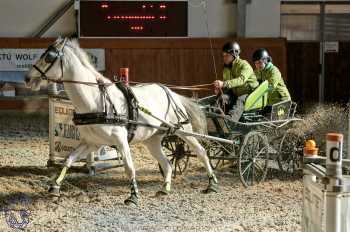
<point>48,67</point>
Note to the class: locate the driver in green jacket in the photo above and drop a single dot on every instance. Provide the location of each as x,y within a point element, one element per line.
<point>238,80</point>
<point>265,70</point>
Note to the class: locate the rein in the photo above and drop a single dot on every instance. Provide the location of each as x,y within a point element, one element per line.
<point>179,87</point>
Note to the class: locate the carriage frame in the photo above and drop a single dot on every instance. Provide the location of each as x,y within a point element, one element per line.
<point>256,143</point>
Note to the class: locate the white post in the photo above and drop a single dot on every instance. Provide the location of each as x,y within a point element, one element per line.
<point>332,212</point>
<point>334,152</point>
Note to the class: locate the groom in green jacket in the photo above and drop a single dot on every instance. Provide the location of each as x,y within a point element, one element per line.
<point>265,70</point>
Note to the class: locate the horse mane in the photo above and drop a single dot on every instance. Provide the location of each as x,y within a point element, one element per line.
<point>84,58</point>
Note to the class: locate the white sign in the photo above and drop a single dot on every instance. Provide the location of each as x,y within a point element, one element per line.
<point>330,47</point>
<point>313,207</point>
<point>23,59</point>
<point>64,136</point>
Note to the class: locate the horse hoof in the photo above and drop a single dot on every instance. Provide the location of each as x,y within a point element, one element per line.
<point>162,193</point>
<point>210,189</point>
<point>54,191</point>
<point>132,200</point>
<point>50,164</point>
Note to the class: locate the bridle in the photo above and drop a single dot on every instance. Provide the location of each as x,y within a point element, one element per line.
<point>50,56</point>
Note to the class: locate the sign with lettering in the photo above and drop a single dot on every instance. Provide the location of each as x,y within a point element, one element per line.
<point>331,47</point>
<point>23,59</point>
<point>64,135</point>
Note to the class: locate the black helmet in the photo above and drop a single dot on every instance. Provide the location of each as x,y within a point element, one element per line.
<point>261,53</point>
<point>232,48</point>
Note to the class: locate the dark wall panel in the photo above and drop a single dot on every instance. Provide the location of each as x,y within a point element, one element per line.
<point>183,61</point>
<point>303,71</point>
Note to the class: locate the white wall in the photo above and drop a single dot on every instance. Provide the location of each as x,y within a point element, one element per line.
<point>22,18</point>
<point>263,18</point>
<point>64,26</point>
<point>221,17</point>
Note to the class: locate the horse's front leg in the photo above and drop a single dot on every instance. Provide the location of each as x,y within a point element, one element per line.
<point>83,148</point>
<point>130,171</point>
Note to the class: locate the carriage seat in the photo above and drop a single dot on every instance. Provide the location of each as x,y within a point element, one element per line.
<point>256,106</point>
<point>257,100</point>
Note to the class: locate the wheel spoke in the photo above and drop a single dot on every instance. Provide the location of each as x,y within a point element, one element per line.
<point>247,167</point>
<point>256,143</point>
<point>258,167</point>
<point>259,153</point>
<point>171,147</point>
<point>248,175</point>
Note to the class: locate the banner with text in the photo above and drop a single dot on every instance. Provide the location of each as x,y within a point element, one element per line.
<point>23,59</point>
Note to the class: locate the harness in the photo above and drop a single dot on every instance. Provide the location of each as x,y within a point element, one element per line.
<point>106,118</point>
<point>131,121</point>
<point>180,115</point>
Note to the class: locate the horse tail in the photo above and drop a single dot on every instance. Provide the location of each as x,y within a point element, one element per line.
<point>196,115</point>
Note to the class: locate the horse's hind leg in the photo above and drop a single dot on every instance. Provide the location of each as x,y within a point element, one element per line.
<point>198,149</point>
<point>154,146</point>
<point>83,148</point>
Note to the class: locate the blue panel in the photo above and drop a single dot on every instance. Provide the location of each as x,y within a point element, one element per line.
<point>12,76</point>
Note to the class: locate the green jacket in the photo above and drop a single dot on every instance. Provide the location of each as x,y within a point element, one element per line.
<point>277,89</point>
<point>240,78</point>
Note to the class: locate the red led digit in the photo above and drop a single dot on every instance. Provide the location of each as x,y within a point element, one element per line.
<point>138,28</point>
<point>134,17</point>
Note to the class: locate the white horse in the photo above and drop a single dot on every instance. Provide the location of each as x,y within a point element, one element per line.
<point>65,61</point>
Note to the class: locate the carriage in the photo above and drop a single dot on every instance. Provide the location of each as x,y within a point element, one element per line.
<point>262,139</point>
<point>250,143</point>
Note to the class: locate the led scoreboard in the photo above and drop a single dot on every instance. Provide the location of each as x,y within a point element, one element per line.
<point>133,18</point>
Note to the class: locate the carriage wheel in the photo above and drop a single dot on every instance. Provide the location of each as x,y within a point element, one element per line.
<point>178,153</point>
<point>290,152</point>
<point>253,159</point>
